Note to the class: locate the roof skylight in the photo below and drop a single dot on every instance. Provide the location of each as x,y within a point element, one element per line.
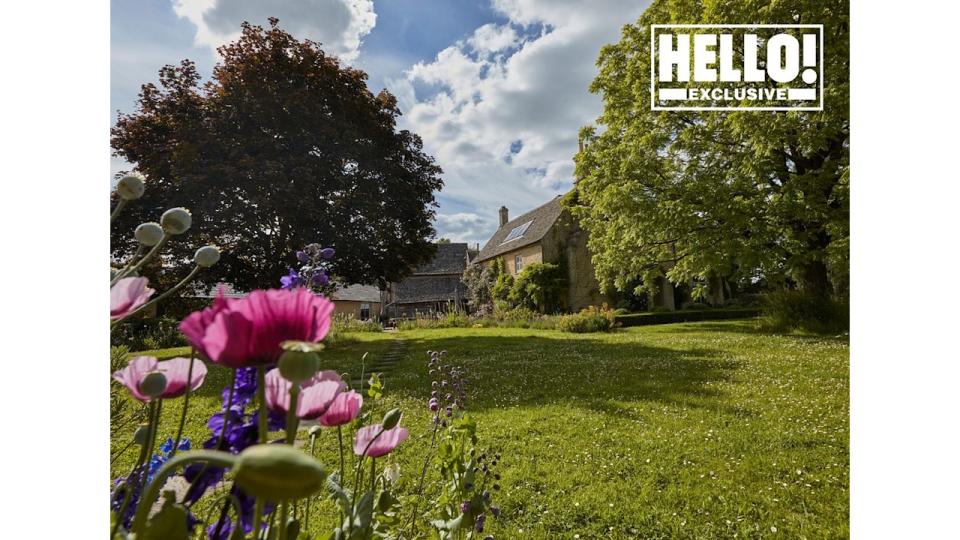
<point>517,232</point>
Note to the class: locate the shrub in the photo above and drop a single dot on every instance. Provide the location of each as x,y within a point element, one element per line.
<point>451,319</point>
<point>522,317</point>
<point>142,334</point>
<point>501,289</point>
<point>687,315</point>
<point>539,287</point>
<point>591,319</point>
<point>346,322</point>
<point>787,310</point>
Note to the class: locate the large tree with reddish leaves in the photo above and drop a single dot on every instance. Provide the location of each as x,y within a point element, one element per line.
<point>282,147</point>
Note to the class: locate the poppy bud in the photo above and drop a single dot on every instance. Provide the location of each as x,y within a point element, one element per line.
<point>207,256</point>
<point>314,431</point>
<point>391,419</point>
<point>140,435</point>
<point>278,472</point>
<point>130,187</point>
<point>153,384</point>
<point>298,366</point>
<point>176,220</point>
<point>148,234</point>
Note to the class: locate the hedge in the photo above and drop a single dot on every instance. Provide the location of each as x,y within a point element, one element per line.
<point>693,315</point>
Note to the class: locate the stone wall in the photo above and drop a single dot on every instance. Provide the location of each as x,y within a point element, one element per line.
<point>530,254</point>
<point>567,242</point>
<point>350,307</point>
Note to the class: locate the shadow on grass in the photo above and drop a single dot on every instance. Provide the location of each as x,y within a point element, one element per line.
<point>342,355</point>
<point>749,327</point>
<point>530,371</point>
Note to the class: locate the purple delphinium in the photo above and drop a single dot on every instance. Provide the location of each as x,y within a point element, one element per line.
<point>291,280</point>
<point>453,380</point>
<point>314,269</point>
<point>241,432</point>
<point>138,480</point>
<point>320,277</point>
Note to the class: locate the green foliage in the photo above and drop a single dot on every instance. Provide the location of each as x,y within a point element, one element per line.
<point>450,319</point>
<point>479,280</point>
<point>658,316</point>
<point>539,286</point>
<point>500,291</point>
<point>279,146</point>
<point>787,310</point>
<point>738,194</point>
<point>519,317</point>
<point>139,333</point>
<point>591,319</point>
<point>346,322</point>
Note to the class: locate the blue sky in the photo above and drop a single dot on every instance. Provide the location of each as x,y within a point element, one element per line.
<point>497,89</point>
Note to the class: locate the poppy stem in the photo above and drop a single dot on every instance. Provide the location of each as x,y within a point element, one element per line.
<point>306,503</point>
<point>282,530</point>
<point>186,403</point>
<point>261,438</point>
<point>128,485</point>
<point>222,459</point>
<point>292,419</point>
<point>121,204</point>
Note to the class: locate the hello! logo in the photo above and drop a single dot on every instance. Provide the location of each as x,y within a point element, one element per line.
<point>765,67</point>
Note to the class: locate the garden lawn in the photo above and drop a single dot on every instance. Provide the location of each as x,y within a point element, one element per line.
<point>699,430</point>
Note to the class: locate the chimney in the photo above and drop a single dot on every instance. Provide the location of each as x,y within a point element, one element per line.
<point>504,216</point>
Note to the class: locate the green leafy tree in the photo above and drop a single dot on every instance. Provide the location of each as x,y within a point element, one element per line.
<point>502,283</point>
<point>743,195</point>
<point>539,286</point>
<point>479,280</point>
<point>282,147</point>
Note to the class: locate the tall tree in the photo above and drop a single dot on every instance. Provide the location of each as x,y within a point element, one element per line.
<point>743,194</point>
<point>282,147</point>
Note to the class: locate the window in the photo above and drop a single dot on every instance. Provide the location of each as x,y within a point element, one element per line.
<point>517,232</point>
<point>364,312</point>
<point>517,264</point>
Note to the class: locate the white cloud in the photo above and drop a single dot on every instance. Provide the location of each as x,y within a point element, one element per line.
<point>338,24</point>
<point>460,226</point>
<point>524,81</point>
<point>491,38</point>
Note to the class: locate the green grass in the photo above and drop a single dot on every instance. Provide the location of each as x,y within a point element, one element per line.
<point>698,430</point>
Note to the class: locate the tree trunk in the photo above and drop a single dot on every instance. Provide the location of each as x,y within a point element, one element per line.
<point>813,279</point>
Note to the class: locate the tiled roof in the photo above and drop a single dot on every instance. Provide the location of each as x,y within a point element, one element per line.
<point>449,259</point>
<point>540,219</point>
<point>429,288</point>
<point>357,293</point>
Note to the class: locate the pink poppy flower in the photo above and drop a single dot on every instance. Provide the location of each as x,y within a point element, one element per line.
<point>175,370</point>
<point>127,295</point>
<point>330,375</point>
<point>343,410</point>
<point>383,444</point>
<point>132,375</point>
<point>246,332</point>
<point>315,395</point>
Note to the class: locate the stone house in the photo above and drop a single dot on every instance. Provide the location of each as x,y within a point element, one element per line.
<point>434,287</point>
<point>361,301</point>
<point>547,234</point>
